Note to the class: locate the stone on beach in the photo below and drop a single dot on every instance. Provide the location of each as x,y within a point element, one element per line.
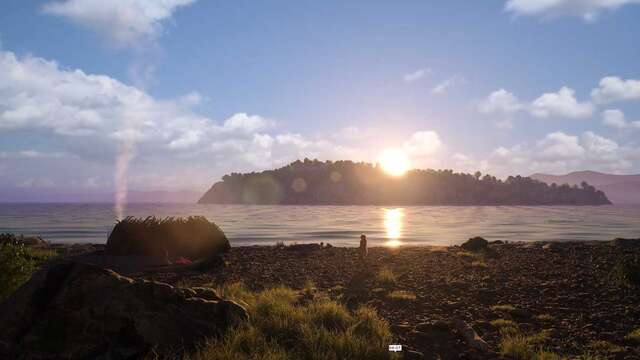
<point>475,244</point>
<point>72,310</point>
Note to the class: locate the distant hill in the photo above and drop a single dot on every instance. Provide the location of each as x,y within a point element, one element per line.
<point>620,189</point>
<point>313,182</point>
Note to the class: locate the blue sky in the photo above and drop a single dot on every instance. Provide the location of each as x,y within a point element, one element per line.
<point>173,94</point>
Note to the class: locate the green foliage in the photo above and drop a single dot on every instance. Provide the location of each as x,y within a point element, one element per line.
<point>16,266</point>
<point>282,325</point>
<point>627,273</point>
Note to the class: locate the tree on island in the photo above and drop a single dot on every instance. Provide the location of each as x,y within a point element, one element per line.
<point>313,182</point>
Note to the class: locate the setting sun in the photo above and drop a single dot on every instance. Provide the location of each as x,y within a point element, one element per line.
<point>395,162</point>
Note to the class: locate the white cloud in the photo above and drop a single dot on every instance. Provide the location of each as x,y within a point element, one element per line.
<point>586,9</point>
<point>561,104</point>
<point>616,119</point>
<point>247,123</point>
<point>422,143</point>
<point>416,75</point>
<point>445,85</point>
<point>559,145</point>
<point>125,23</point>
<point>613,88</point>
<point>500,102</point>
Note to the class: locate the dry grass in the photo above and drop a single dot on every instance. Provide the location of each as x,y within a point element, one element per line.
<point>545,317</point>
<point>505,308</point>
<point>515,345</point>
<point>479,264</point>
<point>604,346</point>
<point>633,336</point>
<point>386,277</point>
<point>283,326</point>
<point>401,295</point>
<point>501,323</point>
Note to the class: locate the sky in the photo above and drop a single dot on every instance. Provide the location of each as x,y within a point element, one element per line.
<point>173,94</point>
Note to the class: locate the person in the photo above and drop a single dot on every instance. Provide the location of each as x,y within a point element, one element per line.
<point>363,246</point>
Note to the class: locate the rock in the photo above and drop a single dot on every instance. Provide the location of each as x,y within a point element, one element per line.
<point>71,310</point>
<point>475,244</point>
<point>470,336</point>
<point>412,355</point>
<point>303,247</point>
<point>496,242</point>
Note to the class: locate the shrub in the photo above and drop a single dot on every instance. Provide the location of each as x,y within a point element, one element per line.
<point>281,326</point>
<point>194,237</point>
<point>16,266</point>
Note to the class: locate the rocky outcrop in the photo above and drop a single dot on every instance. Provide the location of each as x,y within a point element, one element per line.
<point>71,310</point>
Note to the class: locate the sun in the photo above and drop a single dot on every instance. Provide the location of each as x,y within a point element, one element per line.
<point>394,161</point>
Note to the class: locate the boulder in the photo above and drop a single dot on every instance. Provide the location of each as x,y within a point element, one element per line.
<point>194,237</point>
<point>71,310</point>
<point>475,244</point>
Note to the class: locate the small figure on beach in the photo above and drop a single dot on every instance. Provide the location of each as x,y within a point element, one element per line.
<point>363,246</point>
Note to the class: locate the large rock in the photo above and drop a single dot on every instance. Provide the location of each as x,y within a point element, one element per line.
<point>194,237</point>
<point>475,244</point>
<point>70,310</point>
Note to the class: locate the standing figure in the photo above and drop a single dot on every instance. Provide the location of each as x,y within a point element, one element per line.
<point>363,246</point>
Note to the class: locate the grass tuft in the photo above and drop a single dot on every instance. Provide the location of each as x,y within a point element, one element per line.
<point>386,277</point>
<point>605,346</point>
<point>503,308</point>
<point>281,326</point>
<point>545,317</point>
<point>501,323</point>
<point>633,336</point>
<point>401,295</point>
<point>515,345</point>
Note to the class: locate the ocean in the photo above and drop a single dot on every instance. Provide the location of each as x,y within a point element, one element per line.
<point>338,225</point>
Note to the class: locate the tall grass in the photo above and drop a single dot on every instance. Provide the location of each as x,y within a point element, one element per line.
<point>193,237</point>
<point>16,266</point>
<point>284,325</point>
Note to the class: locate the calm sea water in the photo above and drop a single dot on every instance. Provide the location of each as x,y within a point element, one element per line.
<point>339,225</point>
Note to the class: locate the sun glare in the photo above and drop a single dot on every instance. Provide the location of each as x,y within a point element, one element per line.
<point>395,162</point>
<point>393,226</point>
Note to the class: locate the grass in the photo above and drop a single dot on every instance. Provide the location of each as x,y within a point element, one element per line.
<point>386,277</point>
<point>17,262</point>
<point>401,295</point>
<point>633,336</point>
<point>506,308</point>
<point>515,345</point>
<point>467,255</point>
<point>479,264</point>
<point>282,326</point>
<point>545,317</point>
<point>502,323</point>
<point>192,236</point>
<point>605,346</point>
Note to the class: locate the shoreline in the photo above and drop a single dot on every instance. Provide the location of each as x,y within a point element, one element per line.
<point>559,293</point>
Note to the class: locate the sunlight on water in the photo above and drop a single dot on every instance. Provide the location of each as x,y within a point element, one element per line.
<point>393,226</point>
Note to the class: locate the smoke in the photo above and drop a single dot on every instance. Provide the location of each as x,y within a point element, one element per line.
<point>141,73</point>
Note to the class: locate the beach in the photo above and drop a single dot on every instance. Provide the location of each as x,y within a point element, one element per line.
<point>561,294</point>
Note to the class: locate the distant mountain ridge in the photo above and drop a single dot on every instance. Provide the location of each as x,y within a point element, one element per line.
<point>620,189</point>
<point>313,182</point>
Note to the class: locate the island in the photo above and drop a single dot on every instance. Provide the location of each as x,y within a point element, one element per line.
<point>314,182</point>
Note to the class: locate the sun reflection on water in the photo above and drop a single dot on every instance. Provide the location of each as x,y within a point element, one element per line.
<point>393,226</point>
